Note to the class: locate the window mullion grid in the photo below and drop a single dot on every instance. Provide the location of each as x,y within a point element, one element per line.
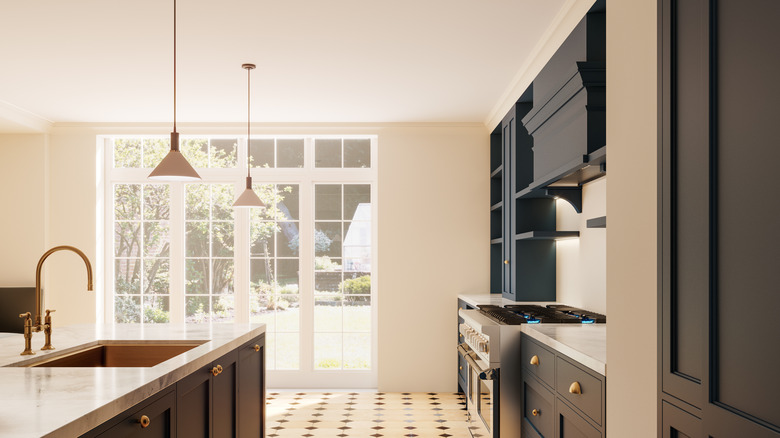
<point>177,260</point>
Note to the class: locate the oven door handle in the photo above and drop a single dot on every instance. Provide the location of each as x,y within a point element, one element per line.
<point>484,374</point>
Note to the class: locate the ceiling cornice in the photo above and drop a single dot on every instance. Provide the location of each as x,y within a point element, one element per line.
<point>22,121</point>
<point>567,19</point>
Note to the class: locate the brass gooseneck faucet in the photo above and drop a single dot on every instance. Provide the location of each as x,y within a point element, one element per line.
<point>46,324</point>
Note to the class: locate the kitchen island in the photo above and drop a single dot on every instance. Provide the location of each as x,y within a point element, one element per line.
<point>71,401</point>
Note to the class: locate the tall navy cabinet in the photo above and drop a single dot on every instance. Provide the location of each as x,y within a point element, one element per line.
<point>720,240</point>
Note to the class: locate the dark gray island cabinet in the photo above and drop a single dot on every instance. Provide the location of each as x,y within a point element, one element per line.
<point>226,398</point>
<point>560,397</point>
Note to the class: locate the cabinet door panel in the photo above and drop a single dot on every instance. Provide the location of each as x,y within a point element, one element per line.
<point>223,404</point>
<point>251,389</point>
<point>686,232</point>
<point>747,235</point>
<point>677,423</point>
<point>193,399</point>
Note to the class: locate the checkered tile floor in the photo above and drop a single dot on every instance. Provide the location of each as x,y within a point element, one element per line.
<point>365,414</point>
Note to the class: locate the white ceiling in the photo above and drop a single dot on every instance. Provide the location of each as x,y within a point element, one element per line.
<point>337,61</point>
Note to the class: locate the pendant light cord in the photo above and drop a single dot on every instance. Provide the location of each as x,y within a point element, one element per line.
<point>174,65</point>
<point>248,119</point>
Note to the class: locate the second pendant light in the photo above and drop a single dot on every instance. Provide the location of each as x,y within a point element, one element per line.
<point>248,198</point>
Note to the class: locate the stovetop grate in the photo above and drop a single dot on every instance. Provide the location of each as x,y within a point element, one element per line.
<point>513,314</point>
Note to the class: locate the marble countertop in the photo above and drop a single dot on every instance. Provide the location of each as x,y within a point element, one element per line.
<point>48,402</point>
<point>585,343</point>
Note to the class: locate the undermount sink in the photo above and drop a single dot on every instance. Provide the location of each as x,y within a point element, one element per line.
<point>126,354</point>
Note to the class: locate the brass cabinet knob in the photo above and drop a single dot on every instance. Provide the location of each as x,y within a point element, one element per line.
<point>506,262</point>
<point>145,421</point>
<point>460,367</point>
<point>257,347</point>
<point>215,371</point>
<point>219,369</point>
<point>536,412</point>
<point>575,388</point>
<point>535,360</point>
<point>460,307</point>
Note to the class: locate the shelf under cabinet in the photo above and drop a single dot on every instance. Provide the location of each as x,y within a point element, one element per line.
<point>547,235</point>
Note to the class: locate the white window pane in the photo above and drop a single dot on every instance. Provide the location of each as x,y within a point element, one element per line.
<point>327,351</point>
<point>127,201</point>
<point>127,153</point>
<point>290,152</point>
<point>357,152</point>
<point>157,309</point>
<point>327,153</point>
<point>357,313</point>
<point>127,309</point>
<point>327,313</point>
<point>357,351</point>
<point>287,351</point>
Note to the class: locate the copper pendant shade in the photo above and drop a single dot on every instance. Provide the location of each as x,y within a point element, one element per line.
<point>248,198</point>
<point>174,167</point>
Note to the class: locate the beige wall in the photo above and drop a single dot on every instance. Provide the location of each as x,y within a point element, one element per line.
<point>433,225</point>
<point>23,207</point>
<point>433,235</point>
<point>632,213</point>
<point>581,274</point>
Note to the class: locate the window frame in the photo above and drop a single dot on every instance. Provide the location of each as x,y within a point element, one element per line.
<point>306,177</point>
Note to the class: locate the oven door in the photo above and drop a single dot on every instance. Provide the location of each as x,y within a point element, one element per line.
<point>482,395</point>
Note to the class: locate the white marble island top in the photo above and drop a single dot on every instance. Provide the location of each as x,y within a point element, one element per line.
<point>585,343</point>
<point>67,402</point>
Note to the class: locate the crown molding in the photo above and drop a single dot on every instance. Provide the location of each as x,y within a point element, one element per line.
<point>561,26</point>
<point>15,120</point>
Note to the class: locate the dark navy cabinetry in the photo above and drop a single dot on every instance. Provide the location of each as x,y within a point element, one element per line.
<point>560,397</point>
<point>226,398</point>
<point>551,142</point>
<point>718,231</point>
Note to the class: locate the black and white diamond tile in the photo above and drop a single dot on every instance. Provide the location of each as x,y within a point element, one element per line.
<point>365,414</point>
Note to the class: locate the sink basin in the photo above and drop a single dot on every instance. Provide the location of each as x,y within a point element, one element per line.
<point>139,354</point>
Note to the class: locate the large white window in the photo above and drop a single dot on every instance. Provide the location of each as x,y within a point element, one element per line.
<point>178,252</point>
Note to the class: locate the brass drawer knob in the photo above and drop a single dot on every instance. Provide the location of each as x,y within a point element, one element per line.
<point>506,262</point>
<point>145,421</point>
<point>575,388</point>
<point>536,412</point>
<point>460,367</point>
<point>257,347</point>
<point>216,370</point>
<point>535,360</point>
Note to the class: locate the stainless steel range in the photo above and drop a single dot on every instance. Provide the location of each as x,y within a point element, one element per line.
<point>492,352</point>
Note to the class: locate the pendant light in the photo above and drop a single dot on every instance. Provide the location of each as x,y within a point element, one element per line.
<point>174,167</point>
<point>248,197</point>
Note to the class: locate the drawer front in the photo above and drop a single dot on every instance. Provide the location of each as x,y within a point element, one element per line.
<point>544,368</point>
<point>570,424</point>
<point>538,404</point>
<point>591,397</point>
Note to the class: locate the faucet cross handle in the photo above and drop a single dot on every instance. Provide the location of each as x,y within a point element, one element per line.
<point>47,330</point>
<point>27,333</point>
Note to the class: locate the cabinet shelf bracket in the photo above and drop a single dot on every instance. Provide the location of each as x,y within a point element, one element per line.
<point>572,195</point>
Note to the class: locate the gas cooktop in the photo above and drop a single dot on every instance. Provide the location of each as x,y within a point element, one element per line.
<point>514,314</point>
